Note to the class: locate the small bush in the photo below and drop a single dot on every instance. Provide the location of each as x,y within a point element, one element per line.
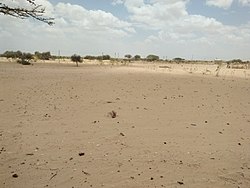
<point>23,62</point>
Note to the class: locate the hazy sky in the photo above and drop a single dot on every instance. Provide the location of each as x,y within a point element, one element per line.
<point>199,29</point>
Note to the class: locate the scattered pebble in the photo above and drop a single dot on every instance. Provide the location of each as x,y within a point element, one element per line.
<point>122,134</point>
<point>112,114</point>
<point>15,176</point>
<point>81,154</point>
<point>30,154</point>
<point>180,182</point>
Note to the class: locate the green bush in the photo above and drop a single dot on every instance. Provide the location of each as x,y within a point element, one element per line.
<point>76,58</point>
<point>152,57</point>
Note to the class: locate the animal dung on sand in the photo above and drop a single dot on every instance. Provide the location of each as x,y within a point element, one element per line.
<point>112,114</point>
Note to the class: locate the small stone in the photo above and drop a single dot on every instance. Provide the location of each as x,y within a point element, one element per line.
<point>112,114</point>
<point>122,134</point>
<point>15,176</point>
<point>180,182</point>
<point>81,154</point>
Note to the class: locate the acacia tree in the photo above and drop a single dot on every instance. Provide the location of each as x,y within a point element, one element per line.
<point>137,57</point>
<point>35,11</point>
<point>128,56</point>
<point>152,57</point>
<point>76,58</point>
<point>25,58</point>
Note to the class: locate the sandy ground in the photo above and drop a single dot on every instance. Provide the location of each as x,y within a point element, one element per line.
<point>171,130</point>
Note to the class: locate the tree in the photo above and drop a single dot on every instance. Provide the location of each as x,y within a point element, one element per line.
<point>25,59</point>
<point>35,11</point>
<point>12,54</point>
<point>178,59</point>
<point>137,57</point>
<point>236,61</point>
<point>76,58</point>
<point>128,56</point>
<point>43,55</point>
<point>152,57</point>
<point>106,57</point>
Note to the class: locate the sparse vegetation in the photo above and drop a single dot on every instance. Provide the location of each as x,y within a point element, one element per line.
<point>137,57</point>
<point>103,57</point>
<point>178,59</point>
<point>128,56</point>
<point>25,59</point>
<point>152,57</point>
<point>12,54</point>
<point>76,58</point>
<point>43,55</point>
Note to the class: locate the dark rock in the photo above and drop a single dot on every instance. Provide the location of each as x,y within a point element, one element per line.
<point>15,176</point>
<point>112,114</point>
<point>180,182</point>
<point>122,134</point>
<point>81,154</point>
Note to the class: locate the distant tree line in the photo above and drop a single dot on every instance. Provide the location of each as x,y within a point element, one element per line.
<point>18,55</point>
<point>103,57</point>
<point>24,58</point>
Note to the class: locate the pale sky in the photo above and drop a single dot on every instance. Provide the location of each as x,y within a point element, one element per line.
<point>198,29</point>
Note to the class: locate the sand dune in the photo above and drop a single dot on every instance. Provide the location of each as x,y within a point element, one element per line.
<point>175,126</point>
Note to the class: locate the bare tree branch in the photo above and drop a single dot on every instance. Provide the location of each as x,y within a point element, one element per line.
<point>36,12</point>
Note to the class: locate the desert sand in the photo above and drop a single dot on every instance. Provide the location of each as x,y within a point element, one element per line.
<point>171,126</point>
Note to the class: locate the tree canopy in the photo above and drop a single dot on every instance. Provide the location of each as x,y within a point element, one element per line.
<point>43,55</point>
<point>76,58</point>
<point>137,57</point>
<point>152,57</point>
<point>128,56</point>
<point>35,11</point>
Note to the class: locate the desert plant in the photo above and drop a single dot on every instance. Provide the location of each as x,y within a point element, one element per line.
<point>128,56</point>
<point>12,54</point>
<point>76,58</point>
<point>137,57</point>
<point>43,55</point>
<point>152,57</point>
<point>178,59</point>
<point>25,59</point>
